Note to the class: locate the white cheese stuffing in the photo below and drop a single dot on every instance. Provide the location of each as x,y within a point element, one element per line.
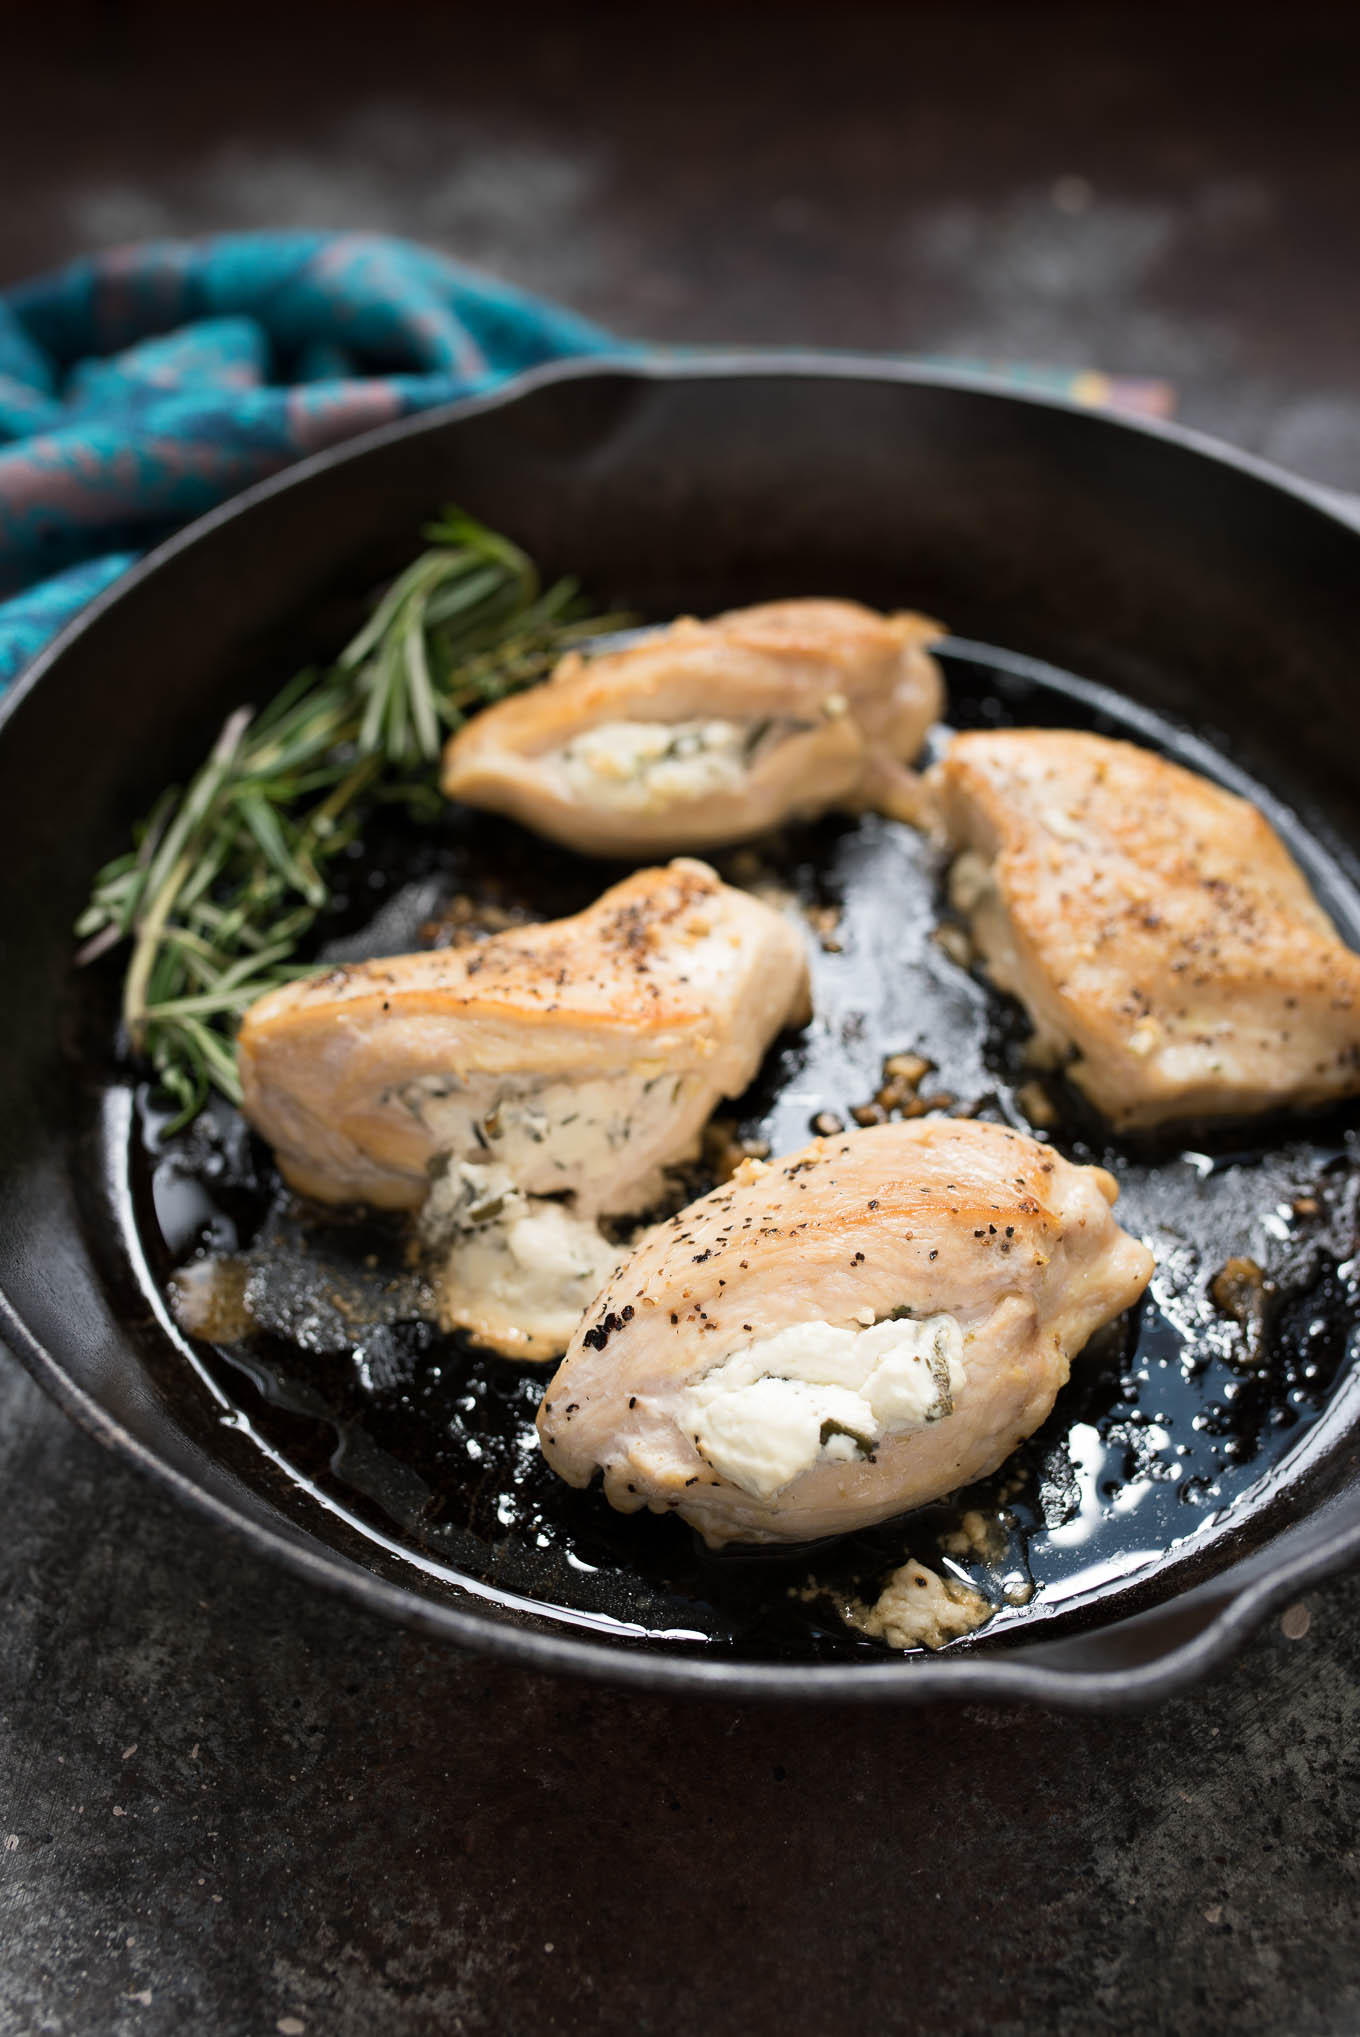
<point>970,880</point>
<point>581,1138</point>
<point>514,1255</point>
<point>645,766</point>
<point>817,1392</point>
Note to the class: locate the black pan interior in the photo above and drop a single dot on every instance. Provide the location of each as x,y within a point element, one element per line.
<point>1183,1442</point>
<point>1167,1443</point>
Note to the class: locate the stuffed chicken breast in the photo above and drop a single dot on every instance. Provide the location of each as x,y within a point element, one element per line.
<point>710,732</point>
<point>1161,937</point>
<point>842,1335</point>
<point>521,1088</point>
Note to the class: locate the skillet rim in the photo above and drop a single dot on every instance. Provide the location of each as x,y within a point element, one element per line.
<point>962,1677</point>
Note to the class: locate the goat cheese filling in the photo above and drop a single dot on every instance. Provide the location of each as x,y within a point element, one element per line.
<point>603,1139</point>
<point>820,1393</point>
<point>643,766</point>
<point>513,1259</point>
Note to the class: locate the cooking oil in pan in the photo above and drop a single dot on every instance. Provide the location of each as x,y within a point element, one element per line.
<point>1189,1430</point>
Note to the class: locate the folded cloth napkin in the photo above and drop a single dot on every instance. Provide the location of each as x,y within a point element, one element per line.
<point>142,386</point>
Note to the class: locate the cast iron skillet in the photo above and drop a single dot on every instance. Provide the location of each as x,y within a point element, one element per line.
<point>1133,577</point>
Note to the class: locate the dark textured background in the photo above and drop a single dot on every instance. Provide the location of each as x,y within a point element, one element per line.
<point>229,1806</point>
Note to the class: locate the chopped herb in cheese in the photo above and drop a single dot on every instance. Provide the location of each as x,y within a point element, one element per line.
<point>550,1136</point>
<point>820,1393</point>
<point>519,1263</point>
<point>641,766</point>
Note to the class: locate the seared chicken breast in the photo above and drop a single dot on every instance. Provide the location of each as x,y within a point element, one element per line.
<point>710,732</point>
<point>1154,926</point>
<point>543,1078</point>
<point>842,1335</point>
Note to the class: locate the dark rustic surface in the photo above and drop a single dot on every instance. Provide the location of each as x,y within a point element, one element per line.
<point>228,1805</point>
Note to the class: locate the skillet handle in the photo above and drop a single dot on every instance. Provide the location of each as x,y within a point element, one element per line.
<point>1165,1648</point>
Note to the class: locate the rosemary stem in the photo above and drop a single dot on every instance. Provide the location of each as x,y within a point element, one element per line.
<point>147,946</point>
<point>225,880</point>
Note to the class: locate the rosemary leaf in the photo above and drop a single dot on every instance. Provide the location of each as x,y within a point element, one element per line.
<point>225,878</point>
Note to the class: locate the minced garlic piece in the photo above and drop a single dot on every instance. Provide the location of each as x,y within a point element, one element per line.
<point>919,1609</point>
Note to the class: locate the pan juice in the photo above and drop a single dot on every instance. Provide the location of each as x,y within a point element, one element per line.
<point>1186,1435</point>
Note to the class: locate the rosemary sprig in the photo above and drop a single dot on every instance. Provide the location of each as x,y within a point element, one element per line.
<point>226,876</point>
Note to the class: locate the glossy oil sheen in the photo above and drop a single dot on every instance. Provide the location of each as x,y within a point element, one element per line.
<point>1173,1428</point>
<point>1207,591</point>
